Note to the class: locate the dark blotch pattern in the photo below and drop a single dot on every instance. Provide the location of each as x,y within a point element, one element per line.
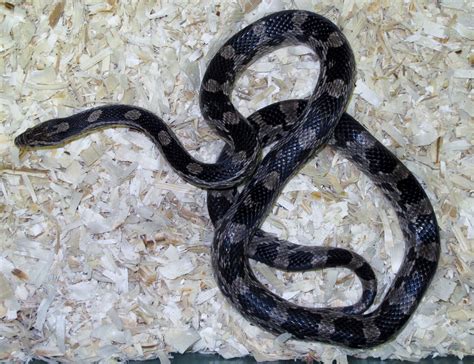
<point>410,193</point>
<point>298,322</point>
<point>349,330</point>
<point>379,161</point>
<point>300,259</point>
<point>365,272</point>
<point>266,252</point>
<point>338,257</point>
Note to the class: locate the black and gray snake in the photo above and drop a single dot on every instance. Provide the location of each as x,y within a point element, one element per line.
<point>297,129</point>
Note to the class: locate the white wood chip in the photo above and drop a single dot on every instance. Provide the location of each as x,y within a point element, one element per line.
<point>181,339</point>
<point>107,249</point>
<point>366,93</point>
<point>206,295</point>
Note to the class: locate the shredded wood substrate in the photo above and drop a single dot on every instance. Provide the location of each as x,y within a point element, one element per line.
<point>104,251</point>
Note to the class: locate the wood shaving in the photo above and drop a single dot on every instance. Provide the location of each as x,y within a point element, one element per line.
<point>104,249</point>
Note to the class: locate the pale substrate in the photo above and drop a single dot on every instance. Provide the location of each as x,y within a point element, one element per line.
<point>104,251</point>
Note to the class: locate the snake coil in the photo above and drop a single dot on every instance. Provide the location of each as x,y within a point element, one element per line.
<point>298,129</point>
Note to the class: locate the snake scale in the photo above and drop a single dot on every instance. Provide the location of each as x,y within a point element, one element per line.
<point>296,129</point>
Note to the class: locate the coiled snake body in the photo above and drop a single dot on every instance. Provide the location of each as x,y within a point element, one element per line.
<point>299,129</point>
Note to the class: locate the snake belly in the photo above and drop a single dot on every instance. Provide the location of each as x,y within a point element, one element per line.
<point>298,129</point>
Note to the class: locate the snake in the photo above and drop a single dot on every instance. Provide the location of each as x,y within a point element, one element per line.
<point>294,131</point>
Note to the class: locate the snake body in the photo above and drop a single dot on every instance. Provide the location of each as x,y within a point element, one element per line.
<point>297,129</point>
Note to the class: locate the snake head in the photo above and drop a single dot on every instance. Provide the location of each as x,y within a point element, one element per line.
<point>49,133</point>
